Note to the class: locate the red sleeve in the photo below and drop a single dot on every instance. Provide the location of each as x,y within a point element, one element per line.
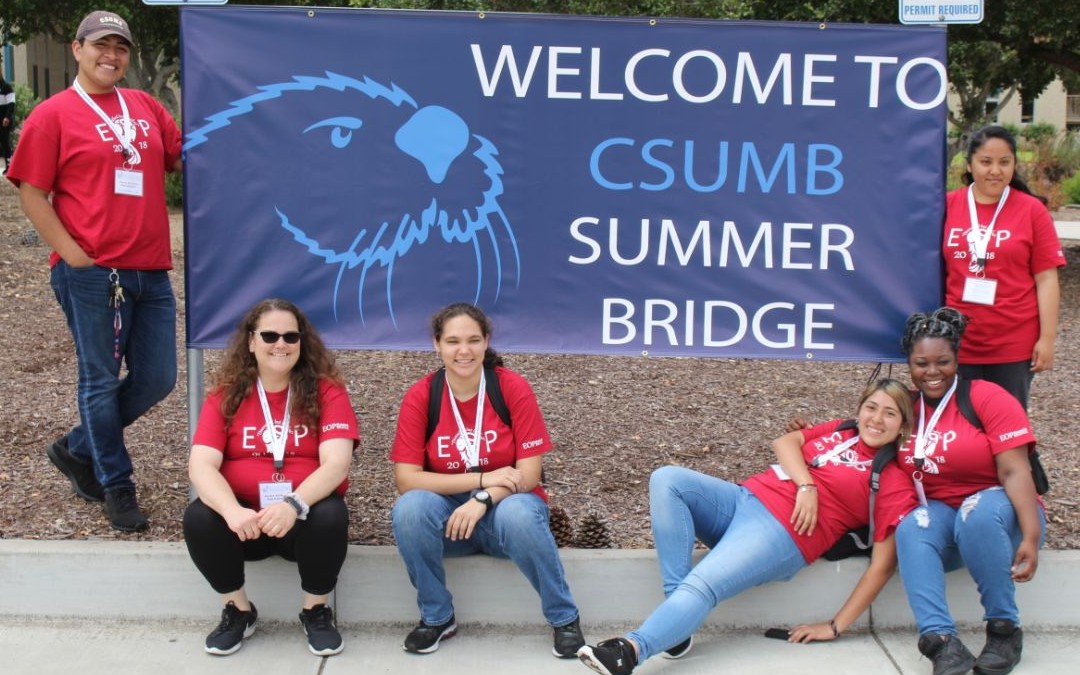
<point>530,433</point>
<point>409,442</point>
<point>1004,421</point>
<point>337,417</point>
<point>210,431</point>
<point>1046,252</point>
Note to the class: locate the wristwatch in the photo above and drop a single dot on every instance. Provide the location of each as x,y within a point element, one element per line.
<point>484,498</point>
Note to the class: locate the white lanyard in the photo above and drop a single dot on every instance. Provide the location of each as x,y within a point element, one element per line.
<point>275,442</point>
<point>120,134</point>
<point>831,455</point>
<point>925,429</point>
<point>470,450</point>
<point>981,242</point>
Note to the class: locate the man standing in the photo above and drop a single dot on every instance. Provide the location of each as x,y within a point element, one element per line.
<point>102,152</point>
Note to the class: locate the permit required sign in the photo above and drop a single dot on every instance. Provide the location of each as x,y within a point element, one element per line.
<point>927,12</point>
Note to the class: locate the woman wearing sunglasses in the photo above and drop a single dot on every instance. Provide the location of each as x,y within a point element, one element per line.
<point>270,461</point>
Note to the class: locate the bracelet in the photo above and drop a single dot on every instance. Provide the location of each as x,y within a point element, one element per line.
<point>807,486</point>
<point>481,480</point>
<point>835,632</point>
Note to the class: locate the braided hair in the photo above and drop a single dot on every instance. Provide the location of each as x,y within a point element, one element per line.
<point>945,323</point>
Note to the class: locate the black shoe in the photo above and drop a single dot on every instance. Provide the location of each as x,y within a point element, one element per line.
<point>82,477</point>
<point>1004,642</point>
<point>424,639</point>
<point>568,640</point>
<point>949,655</point>
<point>234,627</point>
<point>611,657</point>
<point>123,510</point>
<point>680,650</point>
<point>323,638</point>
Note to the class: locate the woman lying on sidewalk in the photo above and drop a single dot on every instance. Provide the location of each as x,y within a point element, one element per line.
<point>771,526</point>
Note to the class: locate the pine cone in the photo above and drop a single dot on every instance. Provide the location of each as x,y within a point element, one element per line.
<point>561,527</point>
<point>593,532</point>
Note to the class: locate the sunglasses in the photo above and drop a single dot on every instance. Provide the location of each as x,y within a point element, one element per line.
<point>271,337</point>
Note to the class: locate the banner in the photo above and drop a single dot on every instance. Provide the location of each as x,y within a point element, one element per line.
<point>597,185</point>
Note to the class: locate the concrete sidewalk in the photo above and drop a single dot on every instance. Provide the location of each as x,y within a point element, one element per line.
<point>141,607</point>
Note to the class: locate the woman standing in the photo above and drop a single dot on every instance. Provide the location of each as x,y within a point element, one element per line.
<point>771,526</point>
<point>270,462</point>
<point>471,483</point>
<point>980,508</point>
<point>1002,256</point>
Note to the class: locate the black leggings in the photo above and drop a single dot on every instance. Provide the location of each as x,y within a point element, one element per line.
<point>317,545</point>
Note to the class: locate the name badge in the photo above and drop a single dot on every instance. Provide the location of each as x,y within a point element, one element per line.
<point>273,492</point>
<point>980,291</point>
<point>129,182</point>
<point>779,471</point>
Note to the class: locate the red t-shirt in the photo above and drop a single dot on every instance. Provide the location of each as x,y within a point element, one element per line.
<point>1024,243</point>
<point>843,487</point>
<point>247,459</point>
<point>68,150</point>
<point>502,445</point>
<point>960,458</point>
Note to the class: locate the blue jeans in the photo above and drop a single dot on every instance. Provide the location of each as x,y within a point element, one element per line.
<point>147,346</point>
<point>516,528</point>
<point>749,547</point>
<point>982,535</point>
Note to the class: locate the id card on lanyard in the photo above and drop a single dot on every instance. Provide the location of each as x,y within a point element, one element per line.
<point>275,490</point>
<point>978,289</point>
<point>126,179</point>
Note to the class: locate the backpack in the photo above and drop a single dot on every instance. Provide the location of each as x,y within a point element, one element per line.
<point>858,541</point>
<point>491,388</point>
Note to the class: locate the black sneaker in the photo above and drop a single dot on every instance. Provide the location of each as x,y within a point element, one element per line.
<point>123,510</point>
<point>234,627</point>
<point>680,650</point>
<point>323,638</point>
<point>611,657</point>
<point>949,655</point>
<point>424,639</point>
<point>568,640</point>
<point>82,477</point>
<point>1004,642</point>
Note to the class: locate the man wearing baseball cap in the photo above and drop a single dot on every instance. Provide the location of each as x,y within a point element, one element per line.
<point>100,24</point>
<point>90,169</point>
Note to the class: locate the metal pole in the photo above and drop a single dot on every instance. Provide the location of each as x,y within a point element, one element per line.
<point>196,376</point>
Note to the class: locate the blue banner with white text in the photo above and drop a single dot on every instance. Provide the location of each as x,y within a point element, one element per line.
<point>596,185</point>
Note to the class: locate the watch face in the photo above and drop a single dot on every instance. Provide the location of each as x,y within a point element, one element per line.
<point>482,495</point>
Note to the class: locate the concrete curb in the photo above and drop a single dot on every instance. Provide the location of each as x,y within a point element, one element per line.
<point>156,580</point>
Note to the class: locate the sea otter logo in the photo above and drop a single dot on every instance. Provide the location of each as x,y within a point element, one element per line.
<point>366,180</point>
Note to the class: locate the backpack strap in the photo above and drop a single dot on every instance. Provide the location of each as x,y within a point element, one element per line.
<point>435,395</point>
<point>963,401</point>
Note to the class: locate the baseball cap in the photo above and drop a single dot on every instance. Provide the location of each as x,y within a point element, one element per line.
<point>99,24</point>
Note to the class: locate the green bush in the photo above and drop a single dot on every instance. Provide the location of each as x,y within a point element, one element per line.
<point>174,189</point>
<point>1070,188</point>
<point>25,101</point>
<point>1038,132</point>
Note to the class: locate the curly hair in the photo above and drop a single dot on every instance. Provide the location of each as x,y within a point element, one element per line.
<point>238,370</point>
<point>945,322</point>
<point>439,319</point>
